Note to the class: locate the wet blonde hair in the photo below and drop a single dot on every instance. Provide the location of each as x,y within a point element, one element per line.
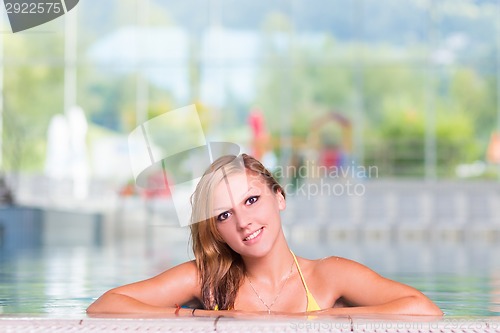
<point>221,269</point>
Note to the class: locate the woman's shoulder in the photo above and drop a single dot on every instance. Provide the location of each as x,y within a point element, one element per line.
<point>334,264</point>
<point>187,268</point>
<point>186,271</point>
<point>325,277</point>
<point>316,266</point>
<point>334,261</point>
<point>183,276</point>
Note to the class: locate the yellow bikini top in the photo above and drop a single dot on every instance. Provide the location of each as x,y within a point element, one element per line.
<point>312,305</point>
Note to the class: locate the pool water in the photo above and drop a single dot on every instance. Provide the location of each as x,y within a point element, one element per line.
<point>462,278</point>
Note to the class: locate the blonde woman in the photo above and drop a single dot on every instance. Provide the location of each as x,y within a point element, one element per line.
<point>243,263</point>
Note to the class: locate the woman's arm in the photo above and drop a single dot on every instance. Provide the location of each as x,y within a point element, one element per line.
<point>370,293</point>
<point>159,294</point>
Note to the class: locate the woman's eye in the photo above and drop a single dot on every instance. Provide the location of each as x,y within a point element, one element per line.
<point>252,200</point>
<point>223,216</point>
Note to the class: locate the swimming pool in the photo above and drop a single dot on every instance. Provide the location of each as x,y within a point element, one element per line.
<point>47,289</point>
<point>462,278</point>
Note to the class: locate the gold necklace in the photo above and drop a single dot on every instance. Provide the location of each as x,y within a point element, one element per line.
<point>279,293</point>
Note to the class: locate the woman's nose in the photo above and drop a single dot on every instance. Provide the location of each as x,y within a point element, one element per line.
<point>243,218</point>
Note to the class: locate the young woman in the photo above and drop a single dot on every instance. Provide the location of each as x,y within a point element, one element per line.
<point>243,263</point>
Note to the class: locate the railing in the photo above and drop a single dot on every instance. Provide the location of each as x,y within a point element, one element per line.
<point>399,210</point>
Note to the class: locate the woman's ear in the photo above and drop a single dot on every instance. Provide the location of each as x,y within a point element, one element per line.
<point>281,200</point>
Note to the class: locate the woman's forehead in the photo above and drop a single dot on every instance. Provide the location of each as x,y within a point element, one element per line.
<point>234,188</point>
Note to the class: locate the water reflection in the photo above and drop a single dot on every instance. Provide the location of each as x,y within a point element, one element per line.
<point>462,278</point>
<point>494,301</point>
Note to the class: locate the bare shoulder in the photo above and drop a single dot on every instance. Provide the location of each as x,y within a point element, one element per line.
<point>336,261</point>
<point>350,277</point>
<point>340,267</point>
<point>335,270</point>
<point>187,272</point>
<point>339,281</point>
<point>333,262</point>
<point>325,278</point>
<point>327,268</point>
<point>325,264</point>
<point>188,267</point>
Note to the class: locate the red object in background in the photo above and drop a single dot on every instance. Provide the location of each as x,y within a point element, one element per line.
<point>260,137</point>
<point>330,157</point>
<point>127,190</point>
<point>157,186</point>
<point>256,122</point>
<point>494,149</point>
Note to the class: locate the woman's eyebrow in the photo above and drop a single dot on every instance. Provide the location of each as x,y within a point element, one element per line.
<point>244,196</point>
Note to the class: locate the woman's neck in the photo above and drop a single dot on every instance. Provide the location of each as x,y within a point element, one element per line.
<point>273,267</point>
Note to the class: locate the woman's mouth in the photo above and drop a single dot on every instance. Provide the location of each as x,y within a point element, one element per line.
<point>253,234</point>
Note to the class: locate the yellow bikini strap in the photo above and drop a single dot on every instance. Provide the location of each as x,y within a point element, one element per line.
<point>300,272</point>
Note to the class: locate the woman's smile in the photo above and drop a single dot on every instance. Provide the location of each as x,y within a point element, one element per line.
<point>254,236</point>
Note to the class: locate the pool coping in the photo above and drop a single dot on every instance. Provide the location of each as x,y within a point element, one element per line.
<point>254,323</point>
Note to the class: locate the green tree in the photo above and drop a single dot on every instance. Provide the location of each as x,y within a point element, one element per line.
<point>33,93</point>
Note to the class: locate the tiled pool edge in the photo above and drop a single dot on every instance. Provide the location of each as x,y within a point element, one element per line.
<point>268,324</point>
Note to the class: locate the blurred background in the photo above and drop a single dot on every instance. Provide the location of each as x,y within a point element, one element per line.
<point>381,119</point>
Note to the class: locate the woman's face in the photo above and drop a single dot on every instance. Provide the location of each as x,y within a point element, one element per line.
<point>248,213</point>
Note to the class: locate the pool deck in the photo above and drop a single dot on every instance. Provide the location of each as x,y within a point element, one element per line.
<point>20,323</point>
